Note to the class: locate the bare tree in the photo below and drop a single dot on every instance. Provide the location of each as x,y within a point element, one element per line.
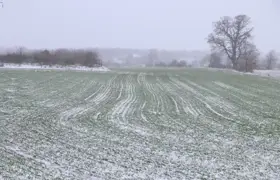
<point>228,63</point>
<point>91,59</point>
<point>173,63</point>
<point>43,57</point>
<point>182,63</point>
<point>230,35</point>
<point>271,59</point>
<point>216,60</point>
<point>248,60</point>
<point>204,61</point>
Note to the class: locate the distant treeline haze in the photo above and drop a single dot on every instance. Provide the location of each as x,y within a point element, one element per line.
<point>56,57</point>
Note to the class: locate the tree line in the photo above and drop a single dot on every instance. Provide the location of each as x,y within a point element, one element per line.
<point>173,63</point>
<point>218,60</point>
<point>231,39</point>
<point>64,57</point>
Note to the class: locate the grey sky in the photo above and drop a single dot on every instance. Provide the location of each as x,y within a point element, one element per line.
<point>170,24</point>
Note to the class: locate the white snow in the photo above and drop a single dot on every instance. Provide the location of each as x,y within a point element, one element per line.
<point>54,67</point>
<point>272,73</point>
<point>266,73</point>
<point>137,125</point>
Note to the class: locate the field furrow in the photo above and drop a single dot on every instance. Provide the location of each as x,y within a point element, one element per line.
<point>138,124</point>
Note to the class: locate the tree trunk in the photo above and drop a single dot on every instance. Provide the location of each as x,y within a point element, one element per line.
<point>246,65</point>
<point>235,65</point>
<point>234,62</point>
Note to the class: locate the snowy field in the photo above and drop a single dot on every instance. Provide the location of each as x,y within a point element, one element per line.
<point>138,124</point>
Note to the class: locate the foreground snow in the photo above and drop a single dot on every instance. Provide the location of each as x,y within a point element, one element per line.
<point>169,124</point>
<point>55,67</point>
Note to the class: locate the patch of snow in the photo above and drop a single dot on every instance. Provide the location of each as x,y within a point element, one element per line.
<point>265,73</point>
<point>272,73</point>
<point>222,70</point>
<point>55,67</point>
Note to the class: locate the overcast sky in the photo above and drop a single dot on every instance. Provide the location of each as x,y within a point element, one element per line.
<point>168,24</point>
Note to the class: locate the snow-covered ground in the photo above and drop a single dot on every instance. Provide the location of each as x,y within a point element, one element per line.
<point>145,124</point>
<point>265,73</point>
<point>55,67</point>
<point>271,73</point>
